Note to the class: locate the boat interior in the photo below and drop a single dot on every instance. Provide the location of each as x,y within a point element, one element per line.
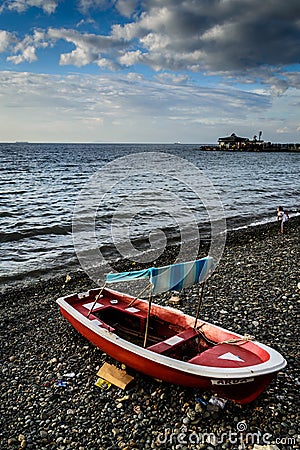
<point>130,323</point>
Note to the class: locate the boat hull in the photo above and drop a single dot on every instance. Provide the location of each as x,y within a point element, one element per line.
<point>241,387</point>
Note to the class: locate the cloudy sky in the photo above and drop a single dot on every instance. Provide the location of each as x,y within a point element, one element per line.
<point>149,71</point>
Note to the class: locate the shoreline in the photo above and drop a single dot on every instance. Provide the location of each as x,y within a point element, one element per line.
<point>257,230</point>
<point>254,290</point>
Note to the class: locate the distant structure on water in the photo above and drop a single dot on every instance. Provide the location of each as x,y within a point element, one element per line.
<point>238,143</point>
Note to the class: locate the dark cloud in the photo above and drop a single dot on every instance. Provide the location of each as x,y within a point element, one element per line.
<point>230,34</point>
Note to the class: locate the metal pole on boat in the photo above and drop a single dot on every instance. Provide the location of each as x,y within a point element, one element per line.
<point>148,317</point>
<point>96,299</point>
<point>199,303</point>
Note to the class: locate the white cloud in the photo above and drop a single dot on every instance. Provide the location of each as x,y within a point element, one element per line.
<point>28,54</point>
<point>154,42</point>
<point>180,35</point>
<point>231,36</point>
<point>293,78</point>
<point>282,130</point>
<point>125,33</point>
<point>131,58</point>
<point>48,6</point>
<point>89,48</point>
<point>25,50</point>
<point>173,78</point>
<point>85,6</point>
<point>106,63</point>
<point>173,37</point>
<point>126,7</point>
<point>79,57</point>
<point>134,76</point>
<point>129,108</point>
<point>6,40</point>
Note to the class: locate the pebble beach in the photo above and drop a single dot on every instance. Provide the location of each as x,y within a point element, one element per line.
<point>49,399</point>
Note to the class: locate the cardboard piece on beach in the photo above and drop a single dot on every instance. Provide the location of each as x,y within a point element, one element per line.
<point>115,376</point>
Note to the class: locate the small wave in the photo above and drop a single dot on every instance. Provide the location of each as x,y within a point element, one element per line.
<point>14,236</point>
<point>6,214</point>
<point>13,280</point>
<point>14,192</point>
<point>257,222</point>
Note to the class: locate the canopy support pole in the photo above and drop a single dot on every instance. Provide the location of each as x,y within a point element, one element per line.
<point>139,294</point>
<point>148,317</point>
<point>199,303</point>
<point>96,299</point>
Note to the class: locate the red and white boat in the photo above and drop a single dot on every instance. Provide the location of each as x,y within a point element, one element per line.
<point>165,343</point>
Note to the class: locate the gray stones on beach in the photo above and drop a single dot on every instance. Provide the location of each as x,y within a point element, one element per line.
<point>48,397</point>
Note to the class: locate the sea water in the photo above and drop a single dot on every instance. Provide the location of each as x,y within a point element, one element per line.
<point>41,183</point>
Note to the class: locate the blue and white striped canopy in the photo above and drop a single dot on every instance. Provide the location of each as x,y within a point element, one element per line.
<point>169,278</point>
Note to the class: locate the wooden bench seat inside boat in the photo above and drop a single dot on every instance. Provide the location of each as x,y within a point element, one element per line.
<point>114,305</point>
<point>174,342</point>
<point>113,314</point>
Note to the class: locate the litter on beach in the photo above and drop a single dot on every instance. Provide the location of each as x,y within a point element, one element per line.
<point>201,401</point>
<point>115,376</point>
<point>174,300</point>
<point>61,383</point>
<point>216,403</point>
<point>69,375</point>
<point>103,384</point>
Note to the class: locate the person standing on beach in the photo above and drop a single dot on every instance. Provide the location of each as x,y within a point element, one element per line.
<point>283,217</point>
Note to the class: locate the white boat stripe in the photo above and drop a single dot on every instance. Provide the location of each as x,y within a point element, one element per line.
<point>96,322</point>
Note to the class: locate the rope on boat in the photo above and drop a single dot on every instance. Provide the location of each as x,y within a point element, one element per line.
<point>242,340</point>
<point>202,335</point>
